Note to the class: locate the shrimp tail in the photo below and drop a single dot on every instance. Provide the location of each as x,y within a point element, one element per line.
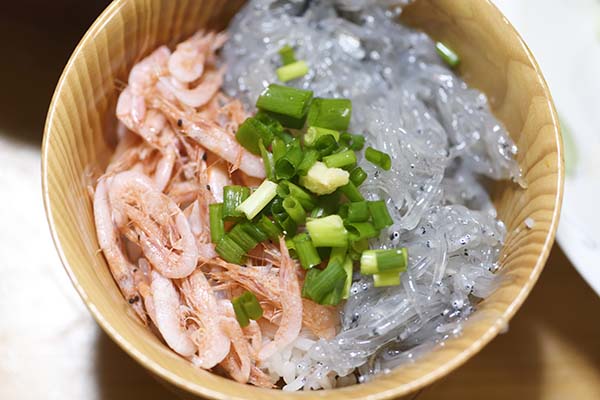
<point>259,378</point>
<point>237,363</point>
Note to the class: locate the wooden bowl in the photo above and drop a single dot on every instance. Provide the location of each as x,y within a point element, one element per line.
<point>78,136</point>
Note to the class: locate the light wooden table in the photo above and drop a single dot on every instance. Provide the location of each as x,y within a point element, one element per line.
<point>50,348</point>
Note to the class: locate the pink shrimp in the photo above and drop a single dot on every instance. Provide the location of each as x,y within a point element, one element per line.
<point>108,238</point>
<point>129,140</point>
<point>235,112</point>
<point>250,181</point>
<point>134,198</point>
<point>237,363</point>
<point>166,304</point>
<point>254,335</point>
<point>291,304</point>
<point>177,150</point>
<point>131,110</point>
<point>265,285</point>
<point>186,63</point>
<point>146,72</point>
<point>143,280</point>
<point>200,95</point>
<point>212,342</point>
<point>131,106</point>
<point>321,320</point>
<point>183,192</point>
<point>199,224</point>
<point>193,214</point>
<point>259,378</point>
<point>164,169</point>
<point>129,152</point>
<point>212,137</point>
<point>218,178</point>
<point>203,197</point>
<point>165,166</point>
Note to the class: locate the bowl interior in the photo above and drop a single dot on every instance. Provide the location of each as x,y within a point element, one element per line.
<point>78,140</point>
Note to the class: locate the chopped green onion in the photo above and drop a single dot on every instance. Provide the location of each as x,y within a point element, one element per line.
<point>294,209</point>
<point>291,246</point>
<point>338,253</point>
<point>306,251</point>
<point>361,230</point>
<point>259,199</point>
<point>240,313</point>
<point>379,214</point>
<point>246,307</point>
<point>268,227</point>
<point>285,100</point>
<point>317,212</point>
<point>273,124</point>
<point>277,206</point>
<point>251,132</point>
<point>217,227</point>
<point>358,142</point>
<point>287,224</point>
<point>330,203</point>
<point>287,121</point>
<point>267,158</point>
<point>378,158</point>
<point>357,248</point>
<point>354,142</point>
<point>323,283</point>
<point>323,180</point>
<point>324,252</point>
<point>279,149</point>
<point>358,212</point>
<point>285,167</point>
<point>326,145</point>
<point>240,235</point>
<point>449,56</point>
<point>390,278</point>
<point>392,259</point>
<point>327,231</point>
<point>343,211</point>
<point>292,71</point>
<point>314,133</point>
<point>287,55</point>
<point>254,231</point>
<point>233,196</point>
<point>251,305</point>
<point>287,137</point>
<point>334,297</point>
<point>229,250</point>
<point>378,261</point>
<point>348,269</point>
<point>351,192</point>
<point>368,262</point>
<point>282,218</point>
<point>341,159</point>
<point>358,176</point>
<point>309,159</point>
<point>330,113</point>
<point>287,188</point>
<point>311,276</point>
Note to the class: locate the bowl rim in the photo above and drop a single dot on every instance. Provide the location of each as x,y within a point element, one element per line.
<point>198,389</point>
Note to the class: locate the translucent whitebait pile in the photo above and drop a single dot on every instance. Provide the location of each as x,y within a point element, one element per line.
<point>442,138</point>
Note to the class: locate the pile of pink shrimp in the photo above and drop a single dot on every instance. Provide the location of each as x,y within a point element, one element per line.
<point>176,152</point>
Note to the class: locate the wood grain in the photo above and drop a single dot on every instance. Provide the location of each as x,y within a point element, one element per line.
<point>550,351</point>
<point>77,138</point>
